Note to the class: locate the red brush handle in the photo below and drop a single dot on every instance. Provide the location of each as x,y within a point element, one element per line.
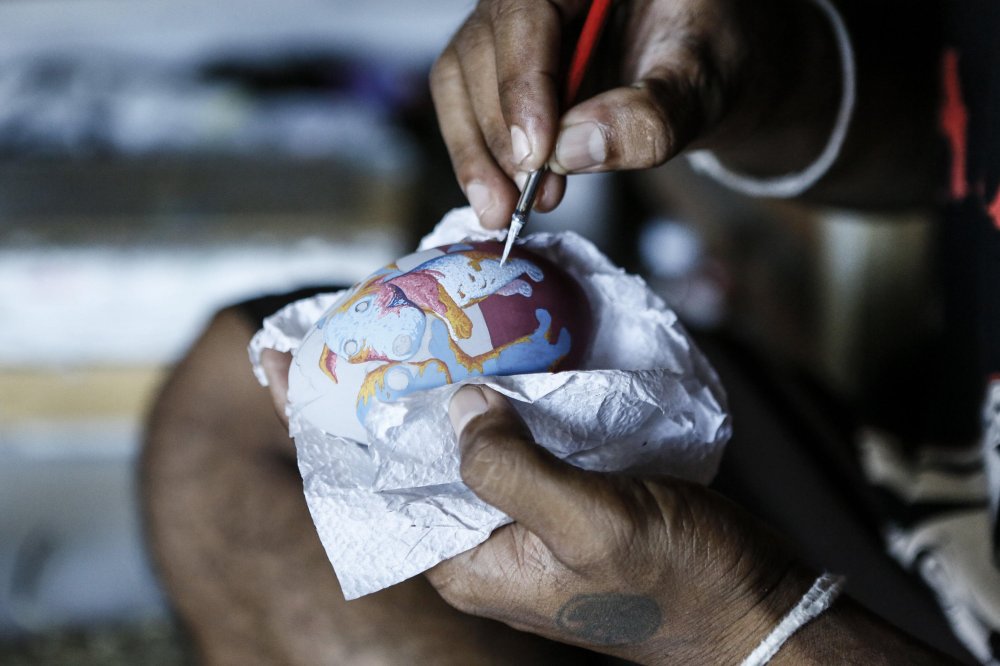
<point>597,16</point>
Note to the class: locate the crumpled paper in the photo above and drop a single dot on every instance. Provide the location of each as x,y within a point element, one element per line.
<point>646,402</point>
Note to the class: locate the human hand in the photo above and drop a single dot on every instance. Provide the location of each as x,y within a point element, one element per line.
<point>716,74</point>
<point>640,569</point>
<point>276,365</point>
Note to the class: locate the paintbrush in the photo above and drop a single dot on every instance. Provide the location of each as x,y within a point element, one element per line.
<point>597,16</point>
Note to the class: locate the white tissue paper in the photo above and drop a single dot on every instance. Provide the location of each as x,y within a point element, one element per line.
<point>646,401</point>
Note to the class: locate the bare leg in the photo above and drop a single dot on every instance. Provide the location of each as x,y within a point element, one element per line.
<point>239,555</point>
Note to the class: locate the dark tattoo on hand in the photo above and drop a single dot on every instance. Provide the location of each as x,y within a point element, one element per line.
<point>610,619</point>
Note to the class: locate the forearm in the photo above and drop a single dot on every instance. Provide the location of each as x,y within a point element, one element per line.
<point>848,633</point>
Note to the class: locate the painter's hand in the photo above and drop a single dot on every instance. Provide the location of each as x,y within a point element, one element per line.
<point>276,365</point>
<point>704,73</point>
<point>637,569</point>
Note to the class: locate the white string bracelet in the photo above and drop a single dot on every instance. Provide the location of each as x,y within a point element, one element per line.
<point>820,596</point>
<point>794,184</point>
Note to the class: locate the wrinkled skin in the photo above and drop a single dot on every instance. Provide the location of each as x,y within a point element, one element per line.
<point>657,571</point>
<point>678,74</point>
<point>585,544</point>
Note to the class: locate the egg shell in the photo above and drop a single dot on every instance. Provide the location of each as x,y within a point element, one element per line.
<point>436,317</point>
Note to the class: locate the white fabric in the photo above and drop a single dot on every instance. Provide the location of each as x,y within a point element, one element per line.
<point>949,543</point>
<point>394,505</point>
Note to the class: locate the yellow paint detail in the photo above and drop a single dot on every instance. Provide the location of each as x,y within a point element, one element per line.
<point>374,381</point>
<point>475,363</point>
<point>454,315</point>
<point>476,257</point>
<point>442,366</point>
<point>361,355</point>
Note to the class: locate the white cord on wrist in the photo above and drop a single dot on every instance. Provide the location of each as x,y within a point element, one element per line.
<point>794,184</point>
<point>820,596</point>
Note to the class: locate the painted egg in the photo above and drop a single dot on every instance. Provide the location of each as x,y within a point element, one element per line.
<point>433,318</point>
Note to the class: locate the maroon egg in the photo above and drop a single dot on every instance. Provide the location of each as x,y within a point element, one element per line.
<point>558,293</point>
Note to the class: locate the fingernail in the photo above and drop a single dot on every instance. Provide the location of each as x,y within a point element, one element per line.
<point>467,403</point>
<point>480,198</point>
<point>519,144</point>
<point>581,147</point>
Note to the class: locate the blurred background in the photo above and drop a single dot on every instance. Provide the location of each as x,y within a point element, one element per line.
<point>159,160</point>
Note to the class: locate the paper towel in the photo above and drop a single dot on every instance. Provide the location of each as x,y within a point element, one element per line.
<point>646,402</point>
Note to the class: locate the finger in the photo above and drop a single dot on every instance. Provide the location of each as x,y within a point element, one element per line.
<point>475,51</point>
<point>527,40</point>
<point>634,127</point>
<point>553,188</point>
<point>489,190</point>
<point>487,567</point>
<point>550,191</point>
<point>275,365</point>
<point>512,570</point>
<point>504,466</point>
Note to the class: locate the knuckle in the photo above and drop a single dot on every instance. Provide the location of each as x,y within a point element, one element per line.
<point>461,603</point>
<point>679,514</point>
<point>468,160</point>
<point>486,456</point>
<point>498,141</point>
<point>514,90</point>
<point>653,137</point>
<point>521,93</point>
<point>463,156</point>
<point>449,585</point>
<point>464,173</point>
<point>598,554</point>
<point>497,452</point>
<point>437,74</point>
<point>532,555</point>
<point>474,38</point>
<point>443,73</point>
<point>621,534</point>
<point>513,12</point>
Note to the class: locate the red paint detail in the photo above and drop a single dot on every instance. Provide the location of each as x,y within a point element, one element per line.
<point>421,288</point>
<point>954,122</point>
<point>994,209</point>
<point>328,362</point>
<point>511,317</point>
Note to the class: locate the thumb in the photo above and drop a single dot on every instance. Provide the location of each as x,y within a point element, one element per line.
<point>632,127</point>
<point>506,468</point>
